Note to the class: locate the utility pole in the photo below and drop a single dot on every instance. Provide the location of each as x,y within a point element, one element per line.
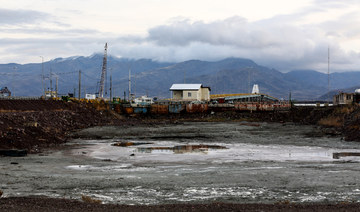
<point>13,81</point>
<point>51,88</point>
<point>79,84</point>
<point>42,75</point>
<point>129,84</point>
<point>103,73</point>
<point>329,97</point>
<point>249,91</point>
<point>57,85</point>
<point>135,86</point>
<point>184,76</point>
<point>110,85</point>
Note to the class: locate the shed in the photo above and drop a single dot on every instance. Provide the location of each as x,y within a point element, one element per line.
<point>343,98</point>
<point>190,92</point>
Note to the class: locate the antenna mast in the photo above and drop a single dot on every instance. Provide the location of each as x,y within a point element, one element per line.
<point>103,73</point>
<point>329,73</point>
<point>129,84</point>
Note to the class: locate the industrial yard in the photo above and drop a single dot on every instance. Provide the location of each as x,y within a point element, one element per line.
<point>193,156</point>
<point>261,163</point>
<point>94,150</point>
<point>179,106</point>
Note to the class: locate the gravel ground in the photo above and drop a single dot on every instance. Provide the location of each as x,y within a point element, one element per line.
<point>54,205</point>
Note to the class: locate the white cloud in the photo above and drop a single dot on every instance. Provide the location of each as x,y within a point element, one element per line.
<point>282,46</point>
<point>283,37</point>
<point>11,17</point>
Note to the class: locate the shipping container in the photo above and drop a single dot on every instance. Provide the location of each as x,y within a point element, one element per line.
<point>140,110</point>
<point>129,110</point>
<point>221,100</point>
<point>159,109</point>
<point>117,108</point>
<point>176,108</point>
<point>196,108</point>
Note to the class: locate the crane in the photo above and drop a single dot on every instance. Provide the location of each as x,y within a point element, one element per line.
<point>103,73</point>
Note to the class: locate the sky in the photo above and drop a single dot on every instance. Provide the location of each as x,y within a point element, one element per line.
<point>281,34</point>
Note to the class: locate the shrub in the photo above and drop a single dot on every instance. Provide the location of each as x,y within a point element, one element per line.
<point>331,121</point>
<point>90,199</point>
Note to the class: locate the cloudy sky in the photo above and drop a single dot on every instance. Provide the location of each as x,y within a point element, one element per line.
<point>281,34</point>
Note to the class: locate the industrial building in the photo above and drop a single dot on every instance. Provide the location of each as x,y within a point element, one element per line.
<point>190,92</point>
<point>343,98</point>
<point>225,98</point>
<point>254,96</point>
<point>5,92</point>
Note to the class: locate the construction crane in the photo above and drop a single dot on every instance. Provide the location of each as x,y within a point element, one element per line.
<point>103,73</point>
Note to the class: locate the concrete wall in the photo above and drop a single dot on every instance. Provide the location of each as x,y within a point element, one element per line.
<point>205,94</point>
<point>177,95</point>
<point>343,98</point>
<point>191,95</point>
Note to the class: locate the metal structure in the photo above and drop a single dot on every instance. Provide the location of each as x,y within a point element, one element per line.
<point>103,74</point>
<point>329,98</point>
<point>5,92</point>
<point>255,89</point>
<point>42,75</point>
<point>79,84</point>
<point>129,85</point>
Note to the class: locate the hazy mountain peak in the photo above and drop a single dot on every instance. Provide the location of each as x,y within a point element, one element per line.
<point>230,75</point>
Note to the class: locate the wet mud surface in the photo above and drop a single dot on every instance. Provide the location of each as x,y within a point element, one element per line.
<point>262,163</point>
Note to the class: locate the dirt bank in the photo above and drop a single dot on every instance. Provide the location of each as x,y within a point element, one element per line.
<point>33,125</point>
<point>53,205</point>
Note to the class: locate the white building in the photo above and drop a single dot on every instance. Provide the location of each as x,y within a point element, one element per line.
<point>255,89</point>
<point>90,96</point>
<point>143,100</point>
<point>190,92</point>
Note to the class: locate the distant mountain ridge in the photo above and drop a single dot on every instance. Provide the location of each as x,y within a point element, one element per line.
<point>153,78</point>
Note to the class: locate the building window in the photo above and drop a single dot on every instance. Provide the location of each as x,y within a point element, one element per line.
<point>189,94</point>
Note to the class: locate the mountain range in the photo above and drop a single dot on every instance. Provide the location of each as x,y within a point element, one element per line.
<point>153,78</point>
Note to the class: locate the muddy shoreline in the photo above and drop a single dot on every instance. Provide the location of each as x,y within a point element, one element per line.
<point>42,130</point>
<point>54,205</point>
<point>34,126</point>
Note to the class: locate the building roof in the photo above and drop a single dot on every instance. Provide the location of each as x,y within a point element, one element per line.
<point>175,87</point>
<point>251,95</point>
<point>241,96</point>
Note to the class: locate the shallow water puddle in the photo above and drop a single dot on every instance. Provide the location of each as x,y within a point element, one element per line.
<point>181,149</point>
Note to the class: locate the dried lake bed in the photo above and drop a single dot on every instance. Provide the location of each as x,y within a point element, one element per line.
<point>260,163</point>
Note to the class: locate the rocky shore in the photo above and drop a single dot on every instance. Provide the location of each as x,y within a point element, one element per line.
<point>33,126</point>
<point>54,205</point>
<point>37,124</point>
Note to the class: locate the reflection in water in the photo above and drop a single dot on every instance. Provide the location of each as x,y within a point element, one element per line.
<point>181,149</point>
<point>129,143</point>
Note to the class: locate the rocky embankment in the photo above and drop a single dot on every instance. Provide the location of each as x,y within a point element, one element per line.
<point>35,124</point>
<point>334,121</point>
<point>54,205</point>
<point>346,120</point>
